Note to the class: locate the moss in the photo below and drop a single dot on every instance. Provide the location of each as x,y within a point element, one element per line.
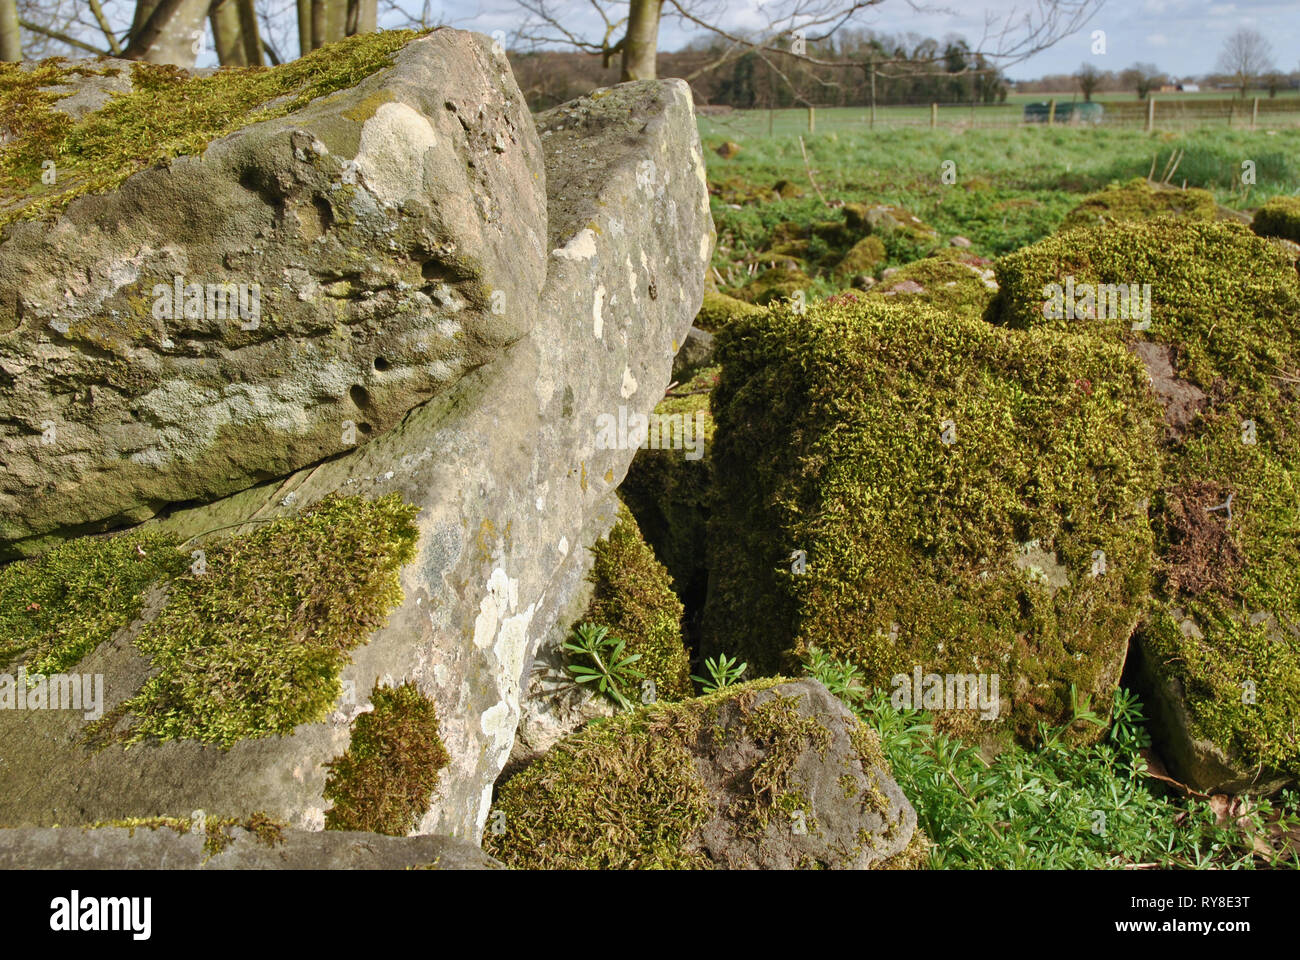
<point>863,258</point>
<point>830,441</point>
<point>1224,303</point>
<point>253,645</point>
<point>217,831</point>
<point>718,309</point>
<point>670,495</point>
<point>1140,200</point>
<point>1280,217</point>
<point>915,856</point>
<point>950,280</point>
<point>1241,680</point>
<point>626,793</point>
<point>385,780</point>
<point>635,599</point>
<point>168,113</point>
<point>781,282</point>
<point>57,608</point>
<point>782,735</point>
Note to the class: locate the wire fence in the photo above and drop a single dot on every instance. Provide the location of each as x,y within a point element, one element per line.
<point>1155,113</point>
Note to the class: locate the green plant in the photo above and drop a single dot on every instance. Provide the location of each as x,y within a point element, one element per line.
<point>723,672</point>
<point>1059,806</point>
<point>841,678</point>
<point>607,667</point>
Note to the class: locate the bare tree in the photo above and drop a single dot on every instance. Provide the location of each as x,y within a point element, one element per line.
<point>793,28</point>
<point>1245,57</point>
<point>1142,78</point>
<point>1087,78</point>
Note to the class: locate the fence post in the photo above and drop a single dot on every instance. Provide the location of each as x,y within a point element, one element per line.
<point>1254,112</point>
<point>1151,113</point>
<point>812,119</point>
<point>1051,113</point>
<point>934,115</point>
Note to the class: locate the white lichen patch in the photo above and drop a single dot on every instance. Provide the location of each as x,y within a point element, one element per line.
<point>391,157</point>
<point>629,383</point>
<point>597,320</point>
<point>581,247</point>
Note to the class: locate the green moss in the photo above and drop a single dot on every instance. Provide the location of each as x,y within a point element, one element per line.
<point>670,495</point>
<point>1280,217</point>
<point>253,645</point>
<point>718,310</point>
<point>1242,680</point>
<point>863,258</point>
<point>60,606</point>
<point>830,441</point>
<point>635,599</point>
<point>217,831</point>
<point>1224,302</point>
<point>952,281</point>
<point>781,282</point>
<point>168,113</point>
<point>626,793</point>
<point>915,856</point>
<point>385,780</point>
<point>1140,200</point>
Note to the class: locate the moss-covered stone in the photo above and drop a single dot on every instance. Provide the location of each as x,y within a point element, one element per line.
<point>718,310</point>
<point>1223,308</point>
<point>714,781</point>
<point>57,608</point>
<point>950,280</point>
<point>670,495</point>
<point>635,599</point>
<point>254,635</point>
<point>781,282</point>
<point>1280,217</point>
<point>951,486</point>
<point>1138,199</point>
<point>385,780</point>
<point>168,113</point>
<point>863,258</point>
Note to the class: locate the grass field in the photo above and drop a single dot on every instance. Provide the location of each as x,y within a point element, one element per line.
<point>1013,185</point>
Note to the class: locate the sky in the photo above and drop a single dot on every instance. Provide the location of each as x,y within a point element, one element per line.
<point>1182,37</point>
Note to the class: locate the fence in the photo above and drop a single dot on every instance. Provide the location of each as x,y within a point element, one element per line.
<point>1154,113</point>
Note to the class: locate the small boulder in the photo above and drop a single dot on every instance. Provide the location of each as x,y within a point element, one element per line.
<point>775,774</point>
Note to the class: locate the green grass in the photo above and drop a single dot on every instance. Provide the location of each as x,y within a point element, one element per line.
<point>1013,186</point>
<point>1058,806</point>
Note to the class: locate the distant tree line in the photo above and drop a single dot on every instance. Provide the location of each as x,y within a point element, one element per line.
<point>903,70</point>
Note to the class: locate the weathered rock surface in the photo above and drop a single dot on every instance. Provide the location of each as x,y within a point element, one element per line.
<point>335,268</point>
<point>771,775</point>
<point>161,848</point>
<point>503,463</point>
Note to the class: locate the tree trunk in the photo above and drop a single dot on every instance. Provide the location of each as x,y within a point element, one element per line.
<point>235,30</point>
<point>11,39</point>
<point>363,17</point>
<point>227,35</point>
<point>641,45</point>
<point>304,28</point>
<point>251,33</point>
<point>165,33</point>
